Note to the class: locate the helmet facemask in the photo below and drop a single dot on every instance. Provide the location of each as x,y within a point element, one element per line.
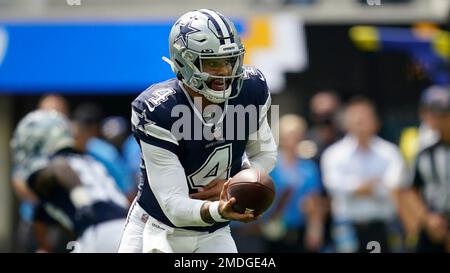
<point>217,87</point>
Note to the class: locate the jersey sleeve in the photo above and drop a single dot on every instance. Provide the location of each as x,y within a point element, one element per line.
<point>151,120</point>
<point>257,92</point>
<point>261,147</point>
<point>265,102</point>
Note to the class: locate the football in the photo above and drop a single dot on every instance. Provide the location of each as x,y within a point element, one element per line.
<point>254,191</point>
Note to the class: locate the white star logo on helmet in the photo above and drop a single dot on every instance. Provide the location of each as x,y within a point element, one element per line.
<point>185,30</point>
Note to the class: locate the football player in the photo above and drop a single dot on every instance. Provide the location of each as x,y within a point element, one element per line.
<point>74,190</point>
<point>195,131</point>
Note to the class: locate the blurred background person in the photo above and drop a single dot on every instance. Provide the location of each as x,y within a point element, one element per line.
<point>116,130</point>
<point>324,112</point>
<point>87,128</point>
<point>46,102</point>
<point>295,221</point>
<point>54,102</point>
<point>415,139</point>
<point>73,189</point>
<point>32,234</point>
<point>86,125</point>
<point>431,184</point>
<point>362,172</point>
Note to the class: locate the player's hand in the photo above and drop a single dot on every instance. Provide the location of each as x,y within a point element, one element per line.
<point>226,208</point>
<point>210,192</point>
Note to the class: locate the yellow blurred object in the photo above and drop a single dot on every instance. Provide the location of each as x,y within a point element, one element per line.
<point>409,144</point>
<point>411,241</point>
<point>365,37</point>
<point>425,30</point>
<point>257,36</point>
<point>441,44</point>
<point>440,39</point>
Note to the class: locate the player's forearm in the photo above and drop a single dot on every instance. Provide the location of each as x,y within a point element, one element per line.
<point>167,181</point>
<point>198,213</point>
<point>177,206</point>
<point>183,211</point>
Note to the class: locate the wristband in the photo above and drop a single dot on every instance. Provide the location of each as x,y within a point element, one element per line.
<point>214,212</point>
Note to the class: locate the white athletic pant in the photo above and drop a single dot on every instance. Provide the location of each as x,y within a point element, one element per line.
<point>176,240</point>
<point>101,238</point>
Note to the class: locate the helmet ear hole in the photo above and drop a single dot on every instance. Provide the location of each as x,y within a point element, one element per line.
<point>179,76</point>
